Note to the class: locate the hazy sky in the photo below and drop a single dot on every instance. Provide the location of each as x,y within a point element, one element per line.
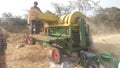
<point>20,7</point>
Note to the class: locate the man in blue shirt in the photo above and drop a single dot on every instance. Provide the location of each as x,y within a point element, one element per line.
<point>3,47</point>
<point>36,26</point>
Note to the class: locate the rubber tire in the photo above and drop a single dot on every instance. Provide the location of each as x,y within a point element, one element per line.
<point>58,60</point>
<point>95,64</point>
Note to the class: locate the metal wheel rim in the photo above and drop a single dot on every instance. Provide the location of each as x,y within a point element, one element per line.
<point>55,55</point>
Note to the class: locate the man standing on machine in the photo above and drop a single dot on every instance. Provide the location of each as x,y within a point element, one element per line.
<point>36,26</point>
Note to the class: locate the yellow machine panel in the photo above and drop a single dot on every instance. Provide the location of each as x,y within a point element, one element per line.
<point>36,15</point>
<point>48,17</point>
<point>52,20</point>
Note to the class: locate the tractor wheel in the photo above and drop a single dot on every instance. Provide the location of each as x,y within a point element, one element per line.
<point>93,65</point>
<point>57,55</point>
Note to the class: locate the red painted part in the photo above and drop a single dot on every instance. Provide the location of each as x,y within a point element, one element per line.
<point>55,55</point>
<point>28,37</point>
<point>92,50</point>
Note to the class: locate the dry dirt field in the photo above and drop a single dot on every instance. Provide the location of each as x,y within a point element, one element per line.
<point>109,44</point>
<point>39,57</point>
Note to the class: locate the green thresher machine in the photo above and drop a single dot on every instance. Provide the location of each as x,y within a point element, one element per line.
<point>67,34</point>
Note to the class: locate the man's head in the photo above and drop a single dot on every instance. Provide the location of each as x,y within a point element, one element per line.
<point>35,3</point>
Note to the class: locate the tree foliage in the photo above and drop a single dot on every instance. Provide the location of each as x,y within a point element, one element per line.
<point>84,5</point>
<point>7,15</point>
<point>12,23</point>
<point>61,9</point>
<point>79,5</point>
<point>109,17</point>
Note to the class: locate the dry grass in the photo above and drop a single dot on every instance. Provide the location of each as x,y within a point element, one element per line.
<point>28,56</point>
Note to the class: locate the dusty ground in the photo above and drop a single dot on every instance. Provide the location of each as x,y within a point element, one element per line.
<point>108,44</point>
<point>39,57</point>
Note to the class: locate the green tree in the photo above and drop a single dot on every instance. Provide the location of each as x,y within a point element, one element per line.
<point>13,23</point>
<point>7,15</point>
<point>109,17</point>
<point>80,5</point>
<point>61,9</point>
